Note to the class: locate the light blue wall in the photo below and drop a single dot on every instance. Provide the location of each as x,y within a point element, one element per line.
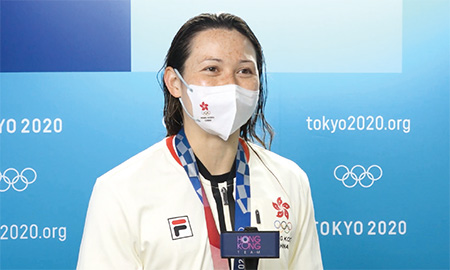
<point>351,83</point>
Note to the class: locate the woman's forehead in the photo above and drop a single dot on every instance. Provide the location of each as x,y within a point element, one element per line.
<point>221,45</point>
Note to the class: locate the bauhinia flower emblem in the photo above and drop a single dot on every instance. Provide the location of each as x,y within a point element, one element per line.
<point>282,208</point>
<point>204,106</point>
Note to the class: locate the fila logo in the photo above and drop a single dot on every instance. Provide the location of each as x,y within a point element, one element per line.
<point>180,227</point>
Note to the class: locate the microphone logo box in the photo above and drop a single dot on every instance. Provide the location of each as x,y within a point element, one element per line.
<point>243,244</point>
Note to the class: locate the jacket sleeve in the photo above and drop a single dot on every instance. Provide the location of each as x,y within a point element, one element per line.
<point>306,253</point>
<point>108,242</point>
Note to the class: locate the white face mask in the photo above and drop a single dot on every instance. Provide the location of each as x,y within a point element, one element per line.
<point>220,110</point>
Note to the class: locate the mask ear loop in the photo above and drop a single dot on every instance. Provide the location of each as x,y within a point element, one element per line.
<point>189,89</point>
<point>182,80</point>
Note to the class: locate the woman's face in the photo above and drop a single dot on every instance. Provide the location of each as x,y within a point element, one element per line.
<point>219,57</point>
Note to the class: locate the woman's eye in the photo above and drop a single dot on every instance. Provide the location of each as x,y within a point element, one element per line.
<point>246,71</point>
<point>211,69</point>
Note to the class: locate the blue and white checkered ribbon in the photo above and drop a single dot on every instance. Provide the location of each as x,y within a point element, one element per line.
<point>242,190</point>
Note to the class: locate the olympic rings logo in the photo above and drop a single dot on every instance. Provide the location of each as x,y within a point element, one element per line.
<point>11,177</point>
<point>358,173</point>
<point>283,226</point>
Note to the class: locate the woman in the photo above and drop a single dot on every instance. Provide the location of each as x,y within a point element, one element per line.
<point>165,207</point>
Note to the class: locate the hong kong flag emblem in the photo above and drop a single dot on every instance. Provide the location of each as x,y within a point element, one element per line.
<point>282,208</point>
<point>204,106</point>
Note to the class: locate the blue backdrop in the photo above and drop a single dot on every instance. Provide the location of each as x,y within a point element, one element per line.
<point>358,96</point>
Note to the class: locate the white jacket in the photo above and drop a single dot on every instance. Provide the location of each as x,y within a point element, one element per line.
<point>132,207</point>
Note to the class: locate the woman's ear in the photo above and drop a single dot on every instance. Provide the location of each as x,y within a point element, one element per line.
<point>172,82</point>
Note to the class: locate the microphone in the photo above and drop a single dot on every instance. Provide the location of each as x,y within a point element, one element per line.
<point>251,263</point>
<point>251,245</point>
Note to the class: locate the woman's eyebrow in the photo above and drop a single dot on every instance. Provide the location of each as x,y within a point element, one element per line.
<point>212,59</point>
<point>247,61</point>
<point>242,61</point>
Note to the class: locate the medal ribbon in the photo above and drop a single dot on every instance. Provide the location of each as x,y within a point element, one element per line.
<point>242,193</point>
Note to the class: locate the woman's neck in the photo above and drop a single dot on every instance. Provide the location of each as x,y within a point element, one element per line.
<point>216,154</point>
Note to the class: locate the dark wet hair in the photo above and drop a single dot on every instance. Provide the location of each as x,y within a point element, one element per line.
<point>178,53</point>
